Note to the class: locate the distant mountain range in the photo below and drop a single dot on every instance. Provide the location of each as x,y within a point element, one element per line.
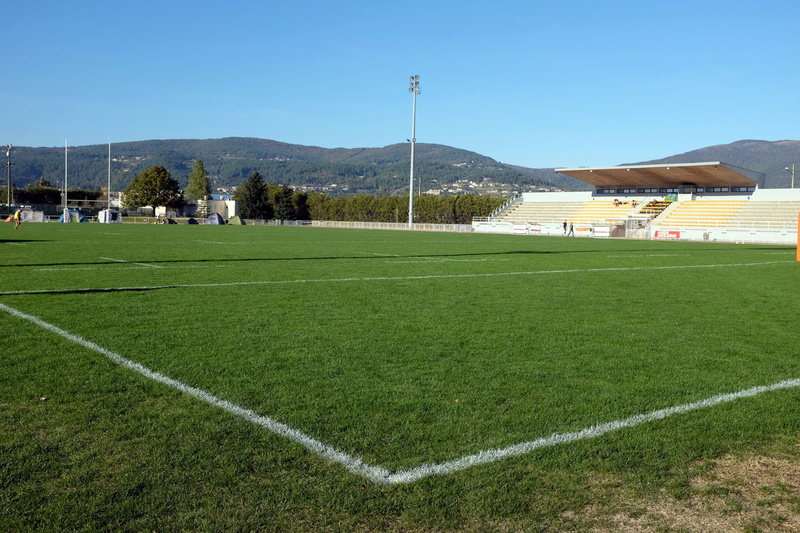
<point>230,161</point>
<point>768,157</point>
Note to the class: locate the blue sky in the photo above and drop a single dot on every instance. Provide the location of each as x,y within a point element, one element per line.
<point>560,83</point>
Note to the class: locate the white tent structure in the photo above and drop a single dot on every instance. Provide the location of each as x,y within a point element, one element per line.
<point>109,216</point>
<point>29,215</point>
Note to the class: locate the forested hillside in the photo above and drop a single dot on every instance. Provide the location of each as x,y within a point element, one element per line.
<point>768,157</point>
<point>230,161</point>
<point>346,171</point>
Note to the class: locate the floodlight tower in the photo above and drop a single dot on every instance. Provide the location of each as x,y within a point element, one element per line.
<point>108,191</point>
<point>414,89</point>
<point>8,163</point>
<point>66,175</point>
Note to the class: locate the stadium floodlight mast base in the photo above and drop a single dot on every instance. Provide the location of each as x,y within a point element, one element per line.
<point>414,89</point>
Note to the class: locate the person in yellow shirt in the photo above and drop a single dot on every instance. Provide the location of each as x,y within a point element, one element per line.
<point>17,218</point>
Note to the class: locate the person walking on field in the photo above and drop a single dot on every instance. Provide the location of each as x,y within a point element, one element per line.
<point>565,228</point>
<point>17,218</point>
<point>571,230</point>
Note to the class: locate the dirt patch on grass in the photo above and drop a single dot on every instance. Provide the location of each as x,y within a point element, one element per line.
<point>750,494</point>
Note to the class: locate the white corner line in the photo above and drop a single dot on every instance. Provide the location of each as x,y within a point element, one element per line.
<point>490,456</point>
<point>351,463</point>
<point>378,474</point>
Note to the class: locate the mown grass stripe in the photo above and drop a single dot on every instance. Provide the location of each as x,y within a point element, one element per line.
<point>380,278</point>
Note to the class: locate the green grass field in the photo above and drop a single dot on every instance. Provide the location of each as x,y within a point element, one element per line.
<point>399,370</point>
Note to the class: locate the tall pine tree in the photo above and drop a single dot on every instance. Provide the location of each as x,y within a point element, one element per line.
<point>252,199</point>
<point>199,188</point>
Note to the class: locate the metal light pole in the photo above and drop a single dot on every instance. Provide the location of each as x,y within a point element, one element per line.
<point>792,173</point>
<point>108,191</point>
<point>414,89</point>
<point>66,209</point>
<point>8,163</point>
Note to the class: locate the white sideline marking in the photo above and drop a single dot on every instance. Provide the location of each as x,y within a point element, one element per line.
<point>648,255</point>
<point>378,474</point>
<point>386,278</point>
<point>69,269</point>
<point>130,262</point>
<point>490,456</point>
<point>376,253</point>
<point>438,260</point>
<point>353,464</point>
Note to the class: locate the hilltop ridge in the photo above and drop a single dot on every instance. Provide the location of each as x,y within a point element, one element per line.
<point>385,170</point>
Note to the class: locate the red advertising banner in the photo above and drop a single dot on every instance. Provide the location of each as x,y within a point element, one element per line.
<point>668,234</point>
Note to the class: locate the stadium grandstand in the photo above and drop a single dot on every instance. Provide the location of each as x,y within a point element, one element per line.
<point>711,201</point>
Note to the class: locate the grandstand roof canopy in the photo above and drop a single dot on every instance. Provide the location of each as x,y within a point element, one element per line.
<point>714,174</point>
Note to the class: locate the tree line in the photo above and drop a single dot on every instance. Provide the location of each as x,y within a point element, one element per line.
<point>257,199</point>
<point>456,209</point>
<point>43,193</point>
<point>260,199</point>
